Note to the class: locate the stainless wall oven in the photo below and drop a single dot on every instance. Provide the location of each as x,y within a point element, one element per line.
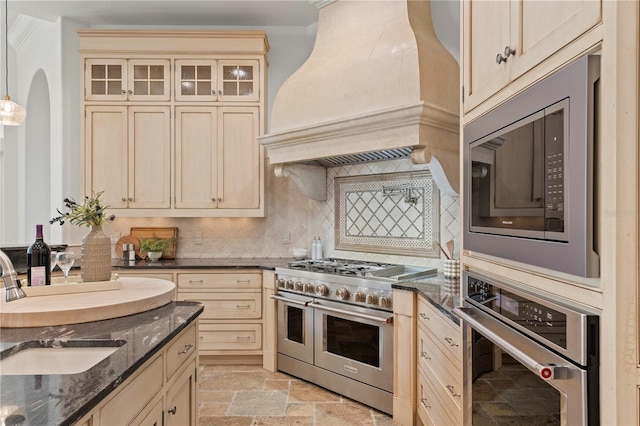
<point>531,360</point>
<point>335,326</point>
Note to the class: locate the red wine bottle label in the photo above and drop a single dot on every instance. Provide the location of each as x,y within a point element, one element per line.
<point>38,275</point>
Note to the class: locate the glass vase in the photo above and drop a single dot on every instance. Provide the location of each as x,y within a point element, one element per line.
<point>96,256</point>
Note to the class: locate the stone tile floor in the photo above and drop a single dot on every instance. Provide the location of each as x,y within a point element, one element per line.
<point>247,395</point>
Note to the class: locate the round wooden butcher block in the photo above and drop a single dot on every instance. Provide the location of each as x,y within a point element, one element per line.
<point>135,295</point>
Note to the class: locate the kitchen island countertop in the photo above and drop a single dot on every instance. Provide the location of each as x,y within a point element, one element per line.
<point>64,399</point>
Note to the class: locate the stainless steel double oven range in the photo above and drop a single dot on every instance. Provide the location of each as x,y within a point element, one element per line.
<point>531,360</point>
<point>335,325</point>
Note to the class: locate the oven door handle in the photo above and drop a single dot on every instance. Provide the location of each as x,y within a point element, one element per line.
<point>293,302</point>
<point>504,336</point>
<point>386,320</point>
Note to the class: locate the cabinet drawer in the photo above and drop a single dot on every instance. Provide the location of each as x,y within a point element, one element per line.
<point>445,332</point>
<point>430,408</point>
<point>219,281</point>
<point>181,350</point>
<point>214,337</point>
<point>431,359</point>
<point>134,396</point>
<point>158,275</point>
<point>227,305</point>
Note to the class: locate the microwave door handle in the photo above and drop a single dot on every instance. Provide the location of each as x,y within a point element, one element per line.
<point>509,340</point>
<point>287,300</point>
<point>387,320</point>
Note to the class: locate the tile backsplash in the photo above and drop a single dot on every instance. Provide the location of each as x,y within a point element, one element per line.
<point>292,221</point>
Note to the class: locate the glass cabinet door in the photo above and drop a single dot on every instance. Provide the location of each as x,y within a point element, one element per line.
<point>196,80</point>
<point>149,80</point>
<point>238,80</point>
<point>105,79</point>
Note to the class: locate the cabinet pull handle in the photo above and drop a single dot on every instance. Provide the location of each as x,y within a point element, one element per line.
<point>172,410</point>
<point>243,281</point>
<point>124,199</point>
<point>187,347</point>
<point>450,389</point>
<point>450,341</point>
<point>425,355</point>
<point>243,338</point>
<point>219,200</point>
<point>130,199</point>
<point>219,92</point>
<point>195,281</point>
<point>130,91</point>
<point>424,316</point>
<point>423,401</point>
<point>502,57</point>
<point>123,91</point>
<point>243,306</point>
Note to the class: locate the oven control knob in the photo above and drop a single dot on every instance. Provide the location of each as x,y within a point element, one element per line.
<point>308,288</point>
<point>289,284</point>
<point>299,286</point>
<point>281,282</point>
<point>385,301</point>
<point>343,294</point>
<point>372,299</point>
<point>360,296</point>
<point>322,290</point>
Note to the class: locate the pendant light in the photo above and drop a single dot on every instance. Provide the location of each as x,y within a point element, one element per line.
<point>11,114</point>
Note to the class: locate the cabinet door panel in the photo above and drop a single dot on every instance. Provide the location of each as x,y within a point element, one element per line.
<point>544,27</point>
<point>149,80</point>
<point>196,80</point>
<point>105,79</point>
<point>181,399</point>
<point>239,154</point>
<point>238,80</point>
<point>149,154</point>
<point>196,156</point>
<point>487,25</point>
<point>106,154</point>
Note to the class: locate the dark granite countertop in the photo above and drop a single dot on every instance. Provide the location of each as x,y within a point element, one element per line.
<point>443,293</point>
<point>204,263</point>
<point>64,399</point>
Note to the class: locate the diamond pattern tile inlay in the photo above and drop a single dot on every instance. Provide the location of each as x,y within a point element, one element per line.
<point>370,218</point>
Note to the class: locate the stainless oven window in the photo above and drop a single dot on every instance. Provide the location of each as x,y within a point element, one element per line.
<point>353,340</point>
<point>506,392</point>
<point>295,324</point>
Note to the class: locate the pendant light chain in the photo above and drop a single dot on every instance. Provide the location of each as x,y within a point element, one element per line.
<point>6,46</point>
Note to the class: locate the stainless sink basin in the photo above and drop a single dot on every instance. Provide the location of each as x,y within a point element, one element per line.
<point>68,357</point>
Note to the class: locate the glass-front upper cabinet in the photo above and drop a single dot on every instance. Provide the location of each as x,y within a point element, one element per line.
<point>196,80</point>
<point>127,80</point>
<point>238,80</point>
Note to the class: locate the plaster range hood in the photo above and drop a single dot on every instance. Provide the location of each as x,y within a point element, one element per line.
<point>378,85</point>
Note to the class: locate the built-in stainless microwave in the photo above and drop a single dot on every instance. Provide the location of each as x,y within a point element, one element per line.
<point>529,172</point>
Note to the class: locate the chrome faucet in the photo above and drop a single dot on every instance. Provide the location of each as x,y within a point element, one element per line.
<point>10,276</point>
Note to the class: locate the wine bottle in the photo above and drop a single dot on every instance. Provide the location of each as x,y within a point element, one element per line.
<point>38,261</point>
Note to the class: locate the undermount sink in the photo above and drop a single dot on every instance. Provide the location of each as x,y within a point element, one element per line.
<point>68,357</point>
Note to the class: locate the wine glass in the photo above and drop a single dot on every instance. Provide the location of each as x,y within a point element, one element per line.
<point>54,261</point>
<point>65,262</point>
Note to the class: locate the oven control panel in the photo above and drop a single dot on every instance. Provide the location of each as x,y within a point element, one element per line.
<point>372,294</point>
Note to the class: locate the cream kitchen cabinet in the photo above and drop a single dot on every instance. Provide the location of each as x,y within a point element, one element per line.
<point>154,167</point>
<point>127,79</point>
<point>127,155</point>
<point>231,324</point>
<point>164,387</point>
<point>503,40</point>
<point>216,147</point>
<point>439,393</point>
<point>217,80</point>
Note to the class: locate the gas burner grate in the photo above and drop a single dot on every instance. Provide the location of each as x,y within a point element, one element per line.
<point>342,266</point>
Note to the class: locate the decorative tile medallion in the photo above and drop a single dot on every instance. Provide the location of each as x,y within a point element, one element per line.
<point>394,213</point>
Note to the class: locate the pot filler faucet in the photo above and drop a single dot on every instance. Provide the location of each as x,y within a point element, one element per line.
<point>10,278</point>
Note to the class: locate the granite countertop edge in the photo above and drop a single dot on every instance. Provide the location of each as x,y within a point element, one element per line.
<point>203,263</point>
<point>146,333</point>
<point>443,293</point>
